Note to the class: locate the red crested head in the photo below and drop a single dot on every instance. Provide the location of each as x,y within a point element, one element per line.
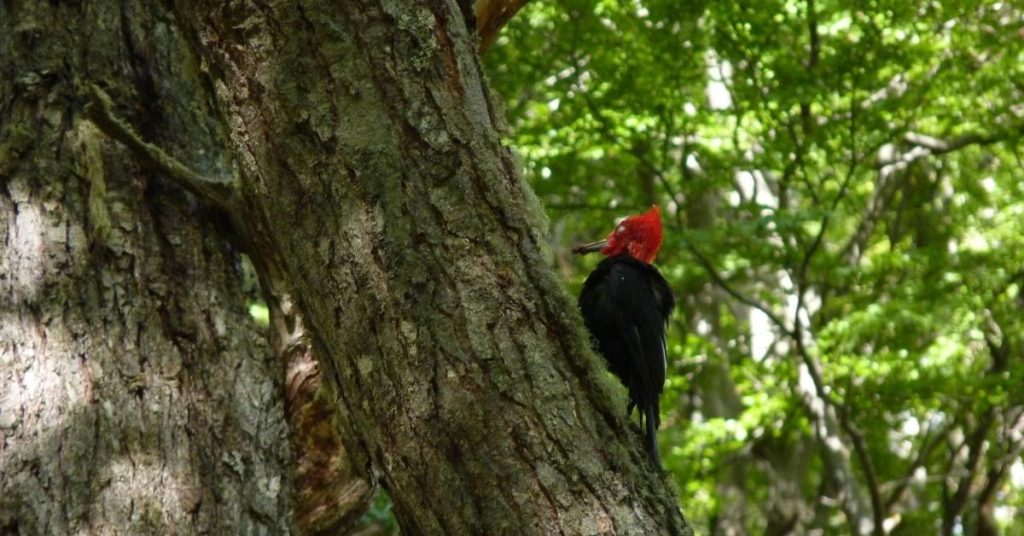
<point>639,236</point>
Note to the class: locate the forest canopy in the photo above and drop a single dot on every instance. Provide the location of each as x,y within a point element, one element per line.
<point>843,196</point>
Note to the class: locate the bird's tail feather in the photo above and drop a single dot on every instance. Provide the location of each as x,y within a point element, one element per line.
<point>651,418</point>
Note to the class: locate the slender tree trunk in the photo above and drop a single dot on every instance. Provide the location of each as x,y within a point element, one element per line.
<point>136,396</point>
<point>372,169</point>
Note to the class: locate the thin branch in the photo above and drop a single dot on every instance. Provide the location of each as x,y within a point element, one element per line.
<point>812,62</point>
<point>835,454</point>
<point>952,506</point>
<point>998,467</point>
<point>931,441</point>
<point>880,200</point>
<point>737,295</point>
<point>798,153</point>
<point>100,110</point>
<point>938,146</point>
<point>827,218</point>
<point>923,145</point>
<point>870,474</point>
<point>812,30</point>
<point>609,132</point>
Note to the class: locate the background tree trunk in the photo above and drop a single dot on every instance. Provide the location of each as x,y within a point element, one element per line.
<point>136,395</point>
<point>373,170</point>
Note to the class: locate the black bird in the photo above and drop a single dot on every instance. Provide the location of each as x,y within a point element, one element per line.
<point>625,304</point>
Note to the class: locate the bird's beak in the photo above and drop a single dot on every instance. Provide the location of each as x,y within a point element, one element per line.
<point>589,248</point>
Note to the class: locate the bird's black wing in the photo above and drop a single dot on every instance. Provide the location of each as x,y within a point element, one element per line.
<point>599,315</point>
<point>625,304</point>
<point>639,294</point>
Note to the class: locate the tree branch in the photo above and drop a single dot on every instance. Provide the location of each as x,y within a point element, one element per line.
<point>491,16</point>
<point>827,218</point>
<point>931,441</point>
<point>939,146</point>
<point>827,417</point>
<point>100,110</point>
<point>923,145</point>
<point>870,474</point>
<point>997,472</point>
<point>835,454</point>
<point>952,506</point>
<point>737,295</point>
<point>812,62</point>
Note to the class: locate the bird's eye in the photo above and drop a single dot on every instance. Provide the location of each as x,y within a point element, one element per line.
<point>620,229</point>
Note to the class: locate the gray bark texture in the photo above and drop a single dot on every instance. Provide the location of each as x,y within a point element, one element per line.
<point>393,237</point>
<point>136,395</point>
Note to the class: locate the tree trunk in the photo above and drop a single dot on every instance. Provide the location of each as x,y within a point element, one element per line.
<point>373,195</point>
<point>372,169</point>
<point>136,395</point>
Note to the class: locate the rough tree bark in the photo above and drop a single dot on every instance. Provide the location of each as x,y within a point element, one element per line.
<point>136,395</point>
<point>371,167</point>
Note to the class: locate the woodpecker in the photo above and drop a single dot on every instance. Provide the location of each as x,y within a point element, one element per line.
<point>626,303</point>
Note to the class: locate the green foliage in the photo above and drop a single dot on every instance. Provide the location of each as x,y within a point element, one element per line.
<point>855,171</point>
<point>379,519</point>
<point>259,312</point>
